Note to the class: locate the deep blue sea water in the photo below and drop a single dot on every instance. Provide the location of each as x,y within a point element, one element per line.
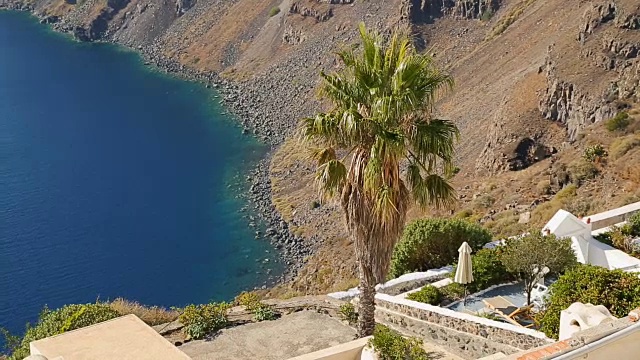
<point>115,180</point>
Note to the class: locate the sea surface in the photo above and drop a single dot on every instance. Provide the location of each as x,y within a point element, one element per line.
<point>115,181</point>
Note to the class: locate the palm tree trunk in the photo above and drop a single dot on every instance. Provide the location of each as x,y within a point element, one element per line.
<point>366,315</point>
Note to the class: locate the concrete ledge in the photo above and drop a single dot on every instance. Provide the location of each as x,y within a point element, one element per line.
<point>123,338</point>
<point>612,217</point>
<point>348,351</point>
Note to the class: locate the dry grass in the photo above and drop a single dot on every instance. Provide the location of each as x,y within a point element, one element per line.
<point>623,145</point>
<point>509,18</point>
<point>152,315</point>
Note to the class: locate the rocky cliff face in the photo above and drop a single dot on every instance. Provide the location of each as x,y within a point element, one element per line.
<point>609,39</point>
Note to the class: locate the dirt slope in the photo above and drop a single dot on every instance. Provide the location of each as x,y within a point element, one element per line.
<point>536,81</point>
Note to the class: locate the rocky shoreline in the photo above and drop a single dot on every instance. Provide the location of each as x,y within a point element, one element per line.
<point>237,98</point>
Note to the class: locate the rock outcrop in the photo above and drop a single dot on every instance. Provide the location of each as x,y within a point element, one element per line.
<point>429,10</point>
<point>565,103</point>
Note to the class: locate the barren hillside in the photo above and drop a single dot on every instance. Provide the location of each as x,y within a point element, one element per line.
<point>536,82</point>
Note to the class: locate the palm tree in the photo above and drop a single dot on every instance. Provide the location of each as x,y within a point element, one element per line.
<point>381,119</point>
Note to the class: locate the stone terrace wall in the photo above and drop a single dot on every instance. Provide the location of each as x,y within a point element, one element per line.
<point>469,336</point>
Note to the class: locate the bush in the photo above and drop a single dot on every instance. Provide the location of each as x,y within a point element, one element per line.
<point>433,243</point>
<point>453,291</point>
<point>348,313</point>
<point>66,318</point>
<point>581,170</point>
<point>389,345</point>
<point>201,320</point>
<point>618,122</point>
<point>617,290</point>
<point>595,152</point>
<point>264,312</point>
<point>247,299</point>
<point>251,301</point>
<point>428,295</point>
<point>274,11</point>
<point>151,315</point>
<point>487,270</point>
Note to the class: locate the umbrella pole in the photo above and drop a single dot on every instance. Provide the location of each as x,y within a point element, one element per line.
<point>464,300</point>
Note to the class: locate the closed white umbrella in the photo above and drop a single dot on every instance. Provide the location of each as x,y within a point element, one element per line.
<point>464,271</point>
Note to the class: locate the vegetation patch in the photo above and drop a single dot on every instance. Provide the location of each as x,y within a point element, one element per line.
<point>390,345</point>
<point>619,122</point>
<point>595,153</point>
<point>348,313</point>
<point>433,243</point>
<point>252,302</point>
<point>55,322</point>
<point>202,320</point>
<point>581,170</point>
<point>274,11</point>
<point>545,211</point>
<point>621,146</point>
<point>509,18</point>
<point>617,290</point>
<point>428,295</point>
<point>151,315</point>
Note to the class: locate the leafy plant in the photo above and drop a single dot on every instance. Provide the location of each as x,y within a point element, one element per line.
<point>527,257</point>
<point>390,345</point>
<point>618,122</point>
<point>274,11</point>
<point>617,290</point>
<point>594,152</point>
<point>428,295</point>
<point>348,313</point>
<point>201,320</point>
<point>66,318</point>
<point>453,291</point>
<point>251,301</point>
<point>264,312</point>
<point>433,243</point>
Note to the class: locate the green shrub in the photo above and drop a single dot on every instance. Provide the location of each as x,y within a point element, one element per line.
<point>594,152</point>
<point>581,171</point>
<point>390,345</point>
<point>348,313</point>
<point>618,122</point>
<point>453,291</point>
<point>617,290</point>
<point>66,318</point>
<point>634,224</point>
<point>487,270</point>
<point>201,320</point>
<point>264,312</point>
<point>428,295</point>
<point>251,301</point>
<point>433,243</point>
<point>274,11</point>
<point>248,299</point>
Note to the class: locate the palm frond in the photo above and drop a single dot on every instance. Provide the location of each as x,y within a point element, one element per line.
<point>331,177</point>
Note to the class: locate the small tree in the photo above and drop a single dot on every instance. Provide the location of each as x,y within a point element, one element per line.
<point>529,255</point>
